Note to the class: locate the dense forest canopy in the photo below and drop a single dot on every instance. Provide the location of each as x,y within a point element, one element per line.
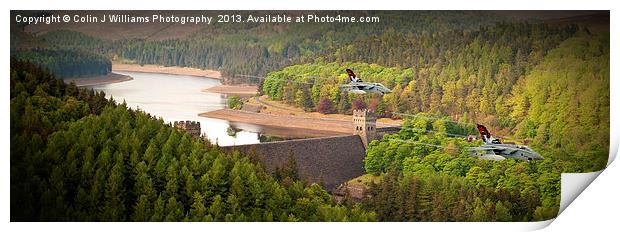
<point>76,156</point>
<point>62,61</point>
<point>431,177</point>
<point>562,105</point>
<point>66,63</point>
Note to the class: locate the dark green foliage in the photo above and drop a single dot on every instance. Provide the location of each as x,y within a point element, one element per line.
<point>389,154</point>
<point>441,197</point>
<point>67,62</point>
<point>234,102</point>
<point>76,156</point>
<point>288,171</point>
<point>446,184</point>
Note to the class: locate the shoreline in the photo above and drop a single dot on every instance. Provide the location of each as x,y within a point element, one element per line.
<point>287,125</point>
<point>99,80</point>
<point>236,90</point>
<point>174,70</point>
<point>267,106</point>
<point>288,133</point>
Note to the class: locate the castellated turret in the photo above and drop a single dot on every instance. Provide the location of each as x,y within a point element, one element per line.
<point>365,125</point>
<point>191,127</point>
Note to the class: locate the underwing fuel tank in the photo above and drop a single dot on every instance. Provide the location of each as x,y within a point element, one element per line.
<point>357,91</point>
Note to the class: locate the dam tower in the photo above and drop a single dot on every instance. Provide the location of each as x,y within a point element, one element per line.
<point>191,127</point>
<point>365,125</point>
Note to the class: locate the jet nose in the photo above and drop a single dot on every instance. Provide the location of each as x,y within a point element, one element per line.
<point>538,156</point>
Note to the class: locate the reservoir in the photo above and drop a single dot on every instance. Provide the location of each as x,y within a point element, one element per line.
<point>179,98</point>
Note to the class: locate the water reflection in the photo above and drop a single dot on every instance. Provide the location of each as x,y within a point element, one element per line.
<point>179,97</point>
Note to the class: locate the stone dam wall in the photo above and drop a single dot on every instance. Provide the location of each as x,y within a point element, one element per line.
<point>328,160</point>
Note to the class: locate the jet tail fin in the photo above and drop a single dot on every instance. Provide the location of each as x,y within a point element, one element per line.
<point>352,77</point>
<point>486,135</point>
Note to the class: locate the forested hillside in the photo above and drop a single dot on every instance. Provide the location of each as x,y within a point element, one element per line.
<point>62,61</point>
<point>463,74</point>
<point>562,105</point>
<point>551,88</point>
<point>545,84</point>
<point>67,62</point>
<point>429,176</point>
<point>261,48</point>
<point>76,156</point>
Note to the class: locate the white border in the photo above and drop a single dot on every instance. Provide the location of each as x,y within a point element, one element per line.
<point>597,207</point>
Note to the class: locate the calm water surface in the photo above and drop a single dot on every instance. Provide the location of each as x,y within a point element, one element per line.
<point>179,97</point>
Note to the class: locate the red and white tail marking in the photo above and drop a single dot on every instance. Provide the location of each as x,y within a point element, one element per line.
<point>352,77</point>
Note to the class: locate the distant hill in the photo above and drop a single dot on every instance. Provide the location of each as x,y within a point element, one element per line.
<point>598,22</point>
<point>117,31</point>
<point>595,21</point>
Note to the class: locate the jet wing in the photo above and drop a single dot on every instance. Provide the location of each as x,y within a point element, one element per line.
<point>492,157</point>
<point>355,84</point>
<point>360,86</point>
<point>366,87</point>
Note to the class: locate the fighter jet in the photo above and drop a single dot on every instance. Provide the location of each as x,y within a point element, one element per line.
<point>494,149</point>
<point>357,86</point>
